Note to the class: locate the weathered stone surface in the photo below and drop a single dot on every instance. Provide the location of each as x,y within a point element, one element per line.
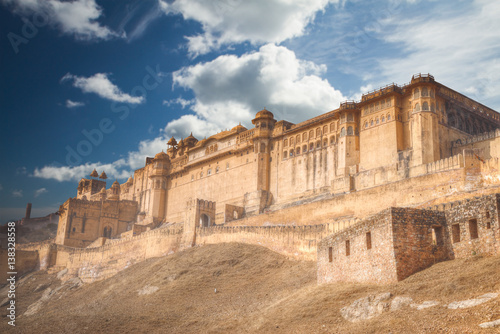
<point>490,324</point>
<point>472,302</point>
<point>400,302</point>
<point>147,290</point>
<point>366,307</point>
<point>424,305</point>
<point>62,273</point>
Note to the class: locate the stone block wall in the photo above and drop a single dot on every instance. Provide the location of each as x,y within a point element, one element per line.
<point>299,242</point>
<point>419,240</point>
<point>361,253</point>
<point>473,226</point>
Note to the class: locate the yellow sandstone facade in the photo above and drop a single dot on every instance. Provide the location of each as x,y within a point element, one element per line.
<point>400,145</point>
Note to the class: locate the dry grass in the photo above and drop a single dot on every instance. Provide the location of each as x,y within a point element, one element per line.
<point>257,291</point>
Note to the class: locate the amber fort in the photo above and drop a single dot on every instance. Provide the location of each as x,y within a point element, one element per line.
<point>373,191</point>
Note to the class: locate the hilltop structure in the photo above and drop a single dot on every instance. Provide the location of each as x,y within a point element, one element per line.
<point>417,145</point>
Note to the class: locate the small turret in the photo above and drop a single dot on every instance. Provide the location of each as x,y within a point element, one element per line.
<point>94,173</point>
<point>103,176</point>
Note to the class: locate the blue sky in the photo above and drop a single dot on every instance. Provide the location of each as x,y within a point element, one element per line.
<point>102,84</point>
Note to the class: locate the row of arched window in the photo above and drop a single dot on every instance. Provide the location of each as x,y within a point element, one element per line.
<point>425,107</point>
<point>305,136</point>
<point>311,147</point>
<point>379,105</point>
<point>423,92</point>
<point>377,120</point>
<point>209,172</point>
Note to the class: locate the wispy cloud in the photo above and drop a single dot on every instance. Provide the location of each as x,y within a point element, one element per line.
<point>77,18</point>
<point>100,84</point>
<point>74,104</point>
<point>21,170</point>
<point>227,22</point>
<point>40,191</point>
<point>17,193</point>
<point>182,102</point>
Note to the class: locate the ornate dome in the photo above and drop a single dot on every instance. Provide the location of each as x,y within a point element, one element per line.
<point>239,128</point>
<point>264,113</point>
<point>190,139</point>
<point>161,156</point>
<point>94,173</point>
<point>172,142</point>
<point>115,184</point>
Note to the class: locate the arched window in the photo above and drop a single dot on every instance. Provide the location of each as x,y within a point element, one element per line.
<point>433,107</point>
<point>383,119</point>
<point>388,102</point>
<point>304,148</point>
<point>350,131</point>
<point>382,104</point>
<point>285,154</point>
<point>371,122</point>
<point>325,129</point>
<point>417,107</point>
<point>304,136</point>
<point>297,150</point>
<point>311,146</point>
<point>325,143</point>
<point>366,125</point>
<point>297,139</point>
<point>377,106</point>
<point>332,127</point>
<point>416,93</point>
<point>342,132</point>
<point>285,143</point>
<point>291,152</point>
<point>425,106</point>
<point>217,170</point>
<point>432,93</point>
<point>318,144</point>
<point>318,132</point>
<point>262,148</point>
<point>263,125</point>
<point>201,175</point>
<point>209,172</point>
<point>311,134</point>
<point>372,107</point>
<point>350,117</point>
<point>291,141</point>
<point>332,140</point>
<point>425,91</point>
<point>377,120</point>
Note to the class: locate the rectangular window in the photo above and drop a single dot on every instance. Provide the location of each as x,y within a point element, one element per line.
<point>473,228</point>
<point>437,235</point>
<point>330,254</point>
<point>455,233</point>
<point>347,247</point>
<point>368,240</point>
<point>488,225</point>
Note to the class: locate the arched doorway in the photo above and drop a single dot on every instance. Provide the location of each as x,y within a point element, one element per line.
<point>107,232</point>
<point>204,220</point>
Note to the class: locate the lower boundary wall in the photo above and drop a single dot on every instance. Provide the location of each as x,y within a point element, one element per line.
<point>92,264</point>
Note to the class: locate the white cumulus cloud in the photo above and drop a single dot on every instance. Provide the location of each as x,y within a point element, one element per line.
<point>231,89</point>
<point>100,84</point>
<point>77,18</point>
<point>226,22</point>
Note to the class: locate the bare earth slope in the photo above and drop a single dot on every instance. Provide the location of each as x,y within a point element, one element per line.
<point>241,288</point>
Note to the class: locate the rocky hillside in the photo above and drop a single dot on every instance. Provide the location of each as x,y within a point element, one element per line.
<point>235,288</point>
